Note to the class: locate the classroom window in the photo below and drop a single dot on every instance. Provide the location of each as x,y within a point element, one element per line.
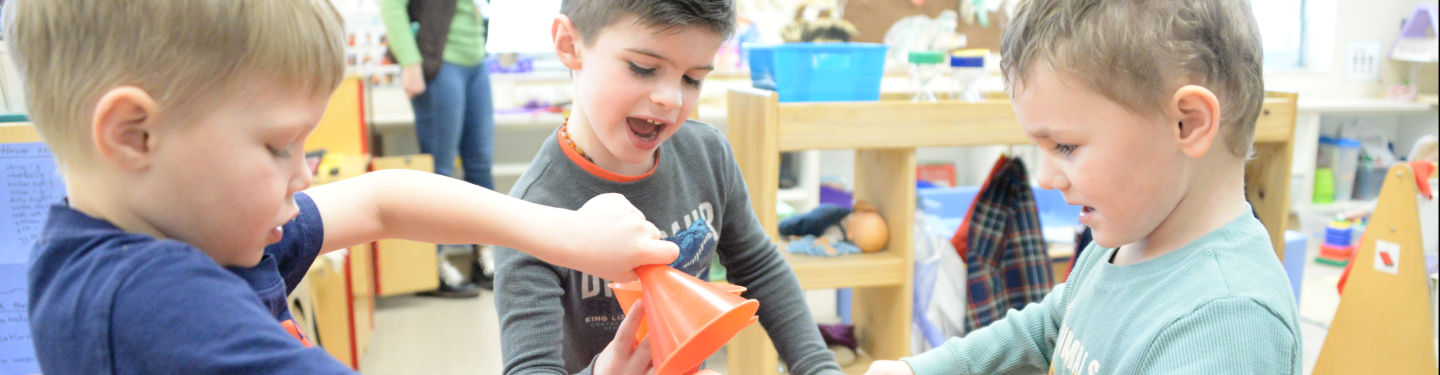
<point>1282,30</point>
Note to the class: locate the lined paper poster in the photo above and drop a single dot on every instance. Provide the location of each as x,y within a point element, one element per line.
<point>30,185</point>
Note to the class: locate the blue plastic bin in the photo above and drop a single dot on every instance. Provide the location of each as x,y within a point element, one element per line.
<point>818,72</point>
<point>1294,261</point>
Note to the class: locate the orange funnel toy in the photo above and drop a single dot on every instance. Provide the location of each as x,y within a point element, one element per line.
<point>689,319</point>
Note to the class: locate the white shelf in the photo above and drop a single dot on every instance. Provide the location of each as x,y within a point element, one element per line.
<point>543,76</point>
<point>795,194</point>
<point>1331,208</point>
<point>1361,105</point>
<point>806,193</point>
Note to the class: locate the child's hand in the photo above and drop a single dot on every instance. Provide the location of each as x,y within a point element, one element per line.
<point>890,368</point>
<point>624,356</point>
<point>611,238</point>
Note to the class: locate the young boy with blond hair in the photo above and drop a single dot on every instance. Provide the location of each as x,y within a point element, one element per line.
<point>1147,110</point>
<point>638,66</point>
<point>179,127</point>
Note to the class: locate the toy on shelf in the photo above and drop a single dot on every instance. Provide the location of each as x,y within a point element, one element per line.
<point>1339,244</point>
<point>925,66</point>
<point>819,30</point>
<point>967,70</point>
<point>833,230</point>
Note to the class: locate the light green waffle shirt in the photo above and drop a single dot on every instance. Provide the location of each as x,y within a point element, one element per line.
<point>464,46</point>
<point>1220,305</point>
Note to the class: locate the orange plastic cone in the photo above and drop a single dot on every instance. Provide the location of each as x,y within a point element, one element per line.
<point>689,319</point>
<point>628,293</point>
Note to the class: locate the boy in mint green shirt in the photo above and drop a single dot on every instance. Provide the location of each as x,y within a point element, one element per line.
<point>1147,111</point>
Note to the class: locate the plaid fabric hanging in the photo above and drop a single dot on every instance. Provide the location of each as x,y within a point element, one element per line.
<point>1004,248</point>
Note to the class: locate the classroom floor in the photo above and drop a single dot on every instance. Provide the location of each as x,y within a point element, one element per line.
<point>426,335</point>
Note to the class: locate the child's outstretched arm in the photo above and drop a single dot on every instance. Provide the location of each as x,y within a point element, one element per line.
<point>606,237</point>
<point>1021,342</point>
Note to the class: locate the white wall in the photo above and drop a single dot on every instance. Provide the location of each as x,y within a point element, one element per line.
<point>1340,22</point>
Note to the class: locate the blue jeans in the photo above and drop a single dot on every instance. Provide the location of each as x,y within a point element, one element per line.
<point>456,115</point>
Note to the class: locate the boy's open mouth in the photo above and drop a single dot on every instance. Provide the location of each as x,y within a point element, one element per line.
<point>644,129</point>
<point>1087,214</point>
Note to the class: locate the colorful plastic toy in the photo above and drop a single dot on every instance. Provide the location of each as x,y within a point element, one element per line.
<point>1339,244</point>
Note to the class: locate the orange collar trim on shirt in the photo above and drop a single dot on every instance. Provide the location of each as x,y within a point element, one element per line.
<point>595,169</point>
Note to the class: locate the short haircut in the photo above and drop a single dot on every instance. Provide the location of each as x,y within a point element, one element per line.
<point>187,54</point>
<point>591,16</point>
<point>1135,52</point>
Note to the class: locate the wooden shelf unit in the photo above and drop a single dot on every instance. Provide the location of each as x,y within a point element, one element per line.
<point>885,135</point>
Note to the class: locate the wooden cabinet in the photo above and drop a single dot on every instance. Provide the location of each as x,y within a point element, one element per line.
<point>403,266</point>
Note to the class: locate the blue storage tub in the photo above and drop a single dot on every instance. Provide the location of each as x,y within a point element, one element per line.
<point>1294,261</point>
<point>818,72</point>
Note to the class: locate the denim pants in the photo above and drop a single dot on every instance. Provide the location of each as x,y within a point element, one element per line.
<point>456,115</point>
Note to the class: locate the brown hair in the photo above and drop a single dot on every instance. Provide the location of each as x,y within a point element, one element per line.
<point>1135,52</point>
<point>591,16</point>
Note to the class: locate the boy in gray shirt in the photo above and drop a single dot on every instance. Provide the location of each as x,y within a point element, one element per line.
<point>638,67</point>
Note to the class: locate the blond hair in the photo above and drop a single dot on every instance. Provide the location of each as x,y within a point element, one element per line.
<point>187,54</point>
<point>1135,52</point>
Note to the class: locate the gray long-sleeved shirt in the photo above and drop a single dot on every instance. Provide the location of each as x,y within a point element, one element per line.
<point>555,320</point>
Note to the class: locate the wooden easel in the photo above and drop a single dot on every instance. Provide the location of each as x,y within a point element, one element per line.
<point>1383,325</point>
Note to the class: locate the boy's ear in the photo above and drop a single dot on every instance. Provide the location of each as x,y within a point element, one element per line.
<point>122,126</point>
<point>1197,121</point>
<point>567,41</point>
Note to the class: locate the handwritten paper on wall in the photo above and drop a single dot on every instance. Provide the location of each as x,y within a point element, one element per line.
<point>30,185</point>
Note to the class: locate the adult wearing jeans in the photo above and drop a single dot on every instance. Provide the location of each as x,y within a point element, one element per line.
<point>440,46</point>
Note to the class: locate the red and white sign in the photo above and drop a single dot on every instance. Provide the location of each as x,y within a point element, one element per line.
<point>1387,257</point>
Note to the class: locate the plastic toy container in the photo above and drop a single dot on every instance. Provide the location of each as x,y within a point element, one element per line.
<point>1324,186</point>
<point>1294,261</point>
<point>818,72</point>
<point>1368,180</point>
<point>967,70</point>
<point>925,66</point>
<point>1341,155</point>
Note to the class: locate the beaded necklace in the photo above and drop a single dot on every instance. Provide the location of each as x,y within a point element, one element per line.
<point>564,132</point>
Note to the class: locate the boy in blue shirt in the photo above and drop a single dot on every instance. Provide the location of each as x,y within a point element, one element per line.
<point>1147,110</point>
<point>179,127</point>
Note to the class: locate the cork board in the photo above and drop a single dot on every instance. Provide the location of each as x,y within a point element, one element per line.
<point>874,18</point>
